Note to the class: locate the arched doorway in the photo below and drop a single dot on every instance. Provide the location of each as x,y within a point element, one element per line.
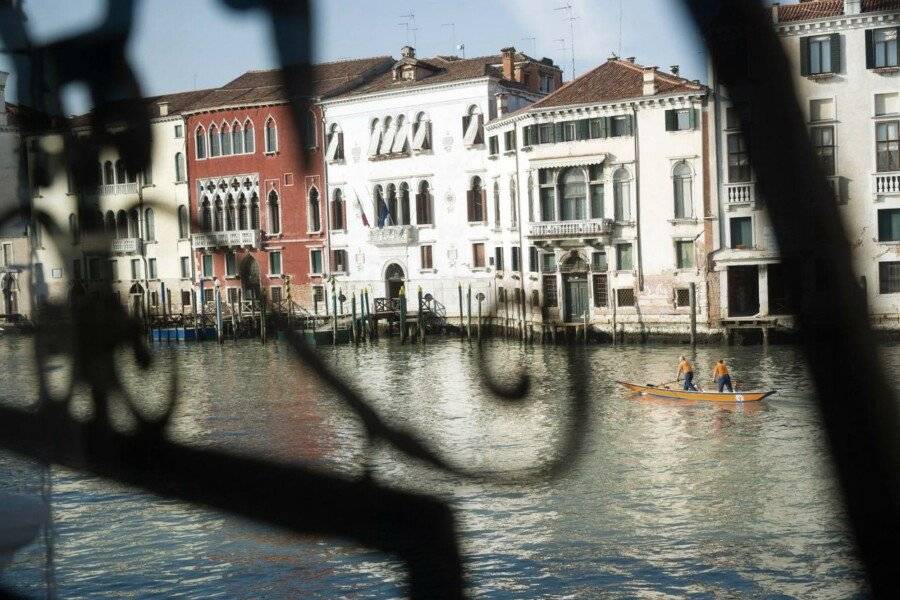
<point>574,271</point>
<point>136,304</point>
<point>10,301</point>
<point>394,279</point>
<point>250,281</point>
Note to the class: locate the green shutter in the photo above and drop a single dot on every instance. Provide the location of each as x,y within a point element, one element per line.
<point>671,120</point>
<point>695,118</point>
<point>629,126</point>
<point>558,133</point>
<point>835,52</point>
<point>604,127</point>
<point>870,49</point>
<point>804,56</point>
<point>582,129</point>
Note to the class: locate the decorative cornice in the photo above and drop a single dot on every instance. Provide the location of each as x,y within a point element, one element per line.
<point>409,90</point>
<point>837,22</point>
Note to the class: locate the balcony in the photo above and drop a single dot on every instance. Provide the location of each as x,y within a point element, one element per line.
<point>117,189</point>
<point>570,229</point>
<point>740,194</point>
<point>243,238</point>
<point>131,245</point>
<point>886,183</point>
<point>394,235</point>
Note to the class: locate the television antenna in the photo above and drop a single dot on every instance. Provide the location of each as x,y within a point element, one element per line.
<point>410,24</point>
<point>532,41</point>
<point>571,19</point>
<point>452,27</point>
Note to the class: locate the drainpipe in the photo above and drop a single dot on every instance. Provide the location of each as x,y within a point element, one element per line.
<point>637,198</point>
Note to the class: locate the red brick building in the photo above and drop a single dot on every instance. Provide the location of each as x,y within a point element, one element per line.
<point>257,188</point>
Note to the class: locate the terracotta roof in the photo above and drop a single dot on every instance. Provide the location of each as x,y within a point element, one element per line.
<point>819,9</point>
<point>444,69</point>
<point>326,79</point>
<point>178,102</point>
<point>616,79</point>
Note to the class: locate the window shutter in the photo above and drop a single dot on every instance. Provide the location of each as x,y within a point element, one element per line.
<point>583,129</point>
<point>470,204</point>
<point>870,49</point>
<point>604,127</point>
<point>804,56</point>
<point>484,205</point>
<point>558,132</point>
<point>835,52</point>
<point>695,118</point>
<point>629,125</point>
<point>671,120</point>
<point>897,44</point>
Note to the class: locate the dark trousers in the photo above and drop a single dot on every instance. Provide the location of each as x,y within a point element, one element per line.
<point>689,382</point>
<point>725,382</point>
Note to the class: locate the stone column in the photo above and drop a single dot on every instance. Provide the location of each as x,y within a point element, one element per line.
<point>763,290</point>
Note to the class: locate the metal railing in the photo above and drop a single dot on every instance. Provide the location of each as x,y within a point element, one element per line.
<point>571,228</point>
<point>393,235</point>
<point>116,189</point>
<point>244,238</point>
<point>132,245</point>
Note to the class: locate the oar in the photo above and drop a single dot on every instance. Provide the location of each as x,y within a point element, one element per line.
<point>662,384</point>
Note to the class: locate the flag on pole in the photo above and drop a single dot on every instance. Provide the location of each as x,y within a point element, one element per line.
<point>362,211</point>
<point>384,215</point>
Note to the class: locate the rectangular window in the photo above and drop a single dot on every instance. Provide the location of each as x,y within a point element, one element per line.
<point>185,298</point>
<point>275,263</point>
<point>533,259</point>
<point>478,256</point>
<point>823,148</point>
<point>113,270</point>
<point>514,263</point>
<point>625,297</point>
<point>315,261</point>
<point>546,133</point>
<point>151,268</point>
<point>684,254</point>
<point>882,50</point>
<point>185,267</point>
<point>624,260</point>
<point>887,146</point>
<point>493,145</point>
<point>741,233</point>
<point>550,295</point>
<point>821,110</point>
<point>233,295</point>
<point>425,256</point>
<point>207,265</point>
<point>548,262</point>
<point>230,264</point>
<point>598,262</point>
<point>680,119</point>
<point>7,258</point>
<point>275,294</point>
<point>738,159</point>
<point>682,297</point>
<point>889,277</point>
<point>339,262</point>
<point>136,268</point>
<point>498,258</point>
<point>94,269</point>
<point>820,54</point>
<point>509,140</point>
<point>318,294</point>
<point>601,290</point>
<point>179,131</point>
<point>598,128</point>
<point>154,298</point>
<point>734,114</point>
<point>475,205</point>
<point>889,225</point>
<point>597,201</point>
<point>620,126</point>
<point>208,296</point>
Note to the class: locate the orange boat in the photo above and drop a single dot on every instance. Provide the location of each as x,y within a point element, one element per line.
<point>679,394</point>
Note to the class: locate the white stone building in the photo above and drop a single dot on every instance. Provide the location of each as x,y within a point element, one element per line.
<point>846,64</point>
<point>145,214</point>
<point>614,221</point>
<point>407,173</point>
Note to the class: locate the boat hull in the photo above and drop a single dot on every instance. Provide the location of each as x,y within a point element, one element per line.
<point>676,394</point>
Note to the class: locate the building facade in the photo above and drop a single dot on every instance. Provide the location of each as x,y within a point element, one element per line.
<point>408,196</point>
<point>846,64</point>
<point>602,197</point>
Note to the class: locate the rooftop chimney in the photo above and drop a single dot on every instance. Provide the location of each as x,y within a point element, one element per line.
<point>852,7</point>
<point>774,9</point>
<point>163,108</point>
<point>650,88</point>
<point>502,103</point>
<point>675,69</point>
<point>408,52</point>
<point>508,61</point>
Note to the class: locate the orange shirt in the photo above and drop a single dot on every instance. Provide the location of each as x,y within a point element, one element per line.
<point>720,370</point>
<point>685,367</point>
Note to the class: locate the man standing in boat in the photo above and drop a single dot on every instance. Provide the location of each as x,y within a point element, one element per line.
<point>685,368</point>
<point>722,377</point>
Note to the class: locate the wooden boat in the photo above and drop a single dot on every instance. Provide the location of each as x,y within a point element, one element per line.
<point>680,394</point>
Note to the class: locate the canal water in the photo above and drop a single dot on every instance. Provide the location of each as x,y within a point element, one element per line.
<point>663,500</point>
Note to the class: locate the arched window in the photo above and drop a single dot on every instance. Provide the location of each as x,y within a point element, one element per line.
<point>237,138</point>
<point>374,139</point>
<point>121,224</point>
<point>513,207</point>
<point>401,136</point>
<point>180,171</point>
<point>497,204</point>
<point>249,139</point>
<point>184,226</point>
<point>120,171</point>
<point>309,129</point>
<point>393,209</point>
<point>274,213</point>
<point>73,228</point>
<point>380,206</point>
<point>242,213</point>
<point>403,217</point>
<point>149,225</point>
<point>337,211</point>
<point>421,138</point>
<point>315,216</point>
<point>229,214</point>
<point>572,193</point>
<point>200,141</point>
<point>226,140</point>
<point>424,206</point>
<point>271,136</point>
<point>110,225</point>
<point>622,195</point>
<point>214,142</point>
<point>206,215</point>
<point>473,126</point>
<point>387,137</point>
<point>219,216</point>
<point>334,144</point>
<point>109,176</point>
<point>682,184</point>
<point>134,224</point>
<point>254,211</point>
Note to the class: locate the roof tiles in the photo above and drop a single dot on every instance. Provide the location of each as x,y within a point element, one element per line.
<point>820,9</point>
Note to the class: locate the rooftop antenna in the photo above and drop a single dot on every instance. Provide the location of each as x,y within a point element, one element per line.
<point>462,49</point>
<point>532,41</point>
<point>410,23</point>
<point>571,19</point>
<point>452,27</point>
<point>620,27</point>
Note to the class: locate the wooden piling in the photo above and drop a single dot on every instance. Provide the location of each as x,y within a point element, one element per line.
<point>693,303</point>
<point>335,315</point>
<point>403,313</point>
<point>462,329</point>
<point>421,318</point>
<point>353,322</point>
<point>469,311</point>
<point>218,299</point>
<point>262,317</point>
<point>480,298</point>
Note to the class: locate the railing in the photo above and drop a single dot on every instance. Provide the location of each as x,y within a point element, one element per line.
<point>218,239</point>
<point>130,245</point>
<point>383,305</point>
<point>740,193</point>
<point>117,189</point>
<point>571,228</point>
<point>393,235</point>
<point>887,183</point>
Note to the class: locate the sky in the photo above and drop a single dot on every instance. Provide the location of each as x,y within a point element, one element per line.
<point>181,45</point>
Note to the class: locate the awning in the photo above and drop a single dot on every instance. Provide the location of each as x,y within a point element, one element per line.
<point>560,162</point>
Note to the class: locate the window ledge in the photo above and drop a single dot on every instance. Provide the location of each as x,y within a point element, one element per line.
<point>477,223</point>
<point>422,151</point>
<point>180,182</point>
<point>479,269</point>
<point>692,221</point>
<point>427,270</point>
<point>886,242</point>
<point>342,230</point>
<point>509,152</point>
<point>493,156</point>
<point>886,70</point>
<point>313,232</point>
<point>276,275</point>
<point>425,225</point>
<point>389,156</point>
<point>820,76</point>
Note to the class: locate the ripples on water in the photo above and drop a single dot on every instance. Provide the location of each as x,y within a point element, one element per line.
<point>665,499</point>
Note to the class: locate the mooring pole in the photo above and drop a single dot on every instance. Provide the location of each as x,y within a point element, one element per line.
<point>586,320</point>
<point>353,322</point>
<point>479,297</point>
<point>615,301</point>
<point>234,332</point>
<point>194,312</point>
<point>421,318</point>
<point>469,311</point>
<point>262,316</point>
<point>693,302</point>
<point>506,312</point>
<point>369,316</point>
<point>403,313</point>
<point>335,315</point>
<point>462,328</point>
<point>200,293</point>
<point>218,313</point>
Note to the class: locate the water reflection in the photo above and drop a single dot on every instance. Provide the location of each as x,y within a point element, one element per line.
<point>666,498</point>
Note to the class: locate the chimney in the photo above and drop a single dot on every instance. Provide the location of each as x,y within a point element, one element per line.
<point>163,108</point>
<point>774,9</point>
<point>675,69</point>
<point>502,103</point>
<point>852,7</point>
<point>508,61</point>
<point>650,88</point>
<point>408,52</point>
<point>630,59</point>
